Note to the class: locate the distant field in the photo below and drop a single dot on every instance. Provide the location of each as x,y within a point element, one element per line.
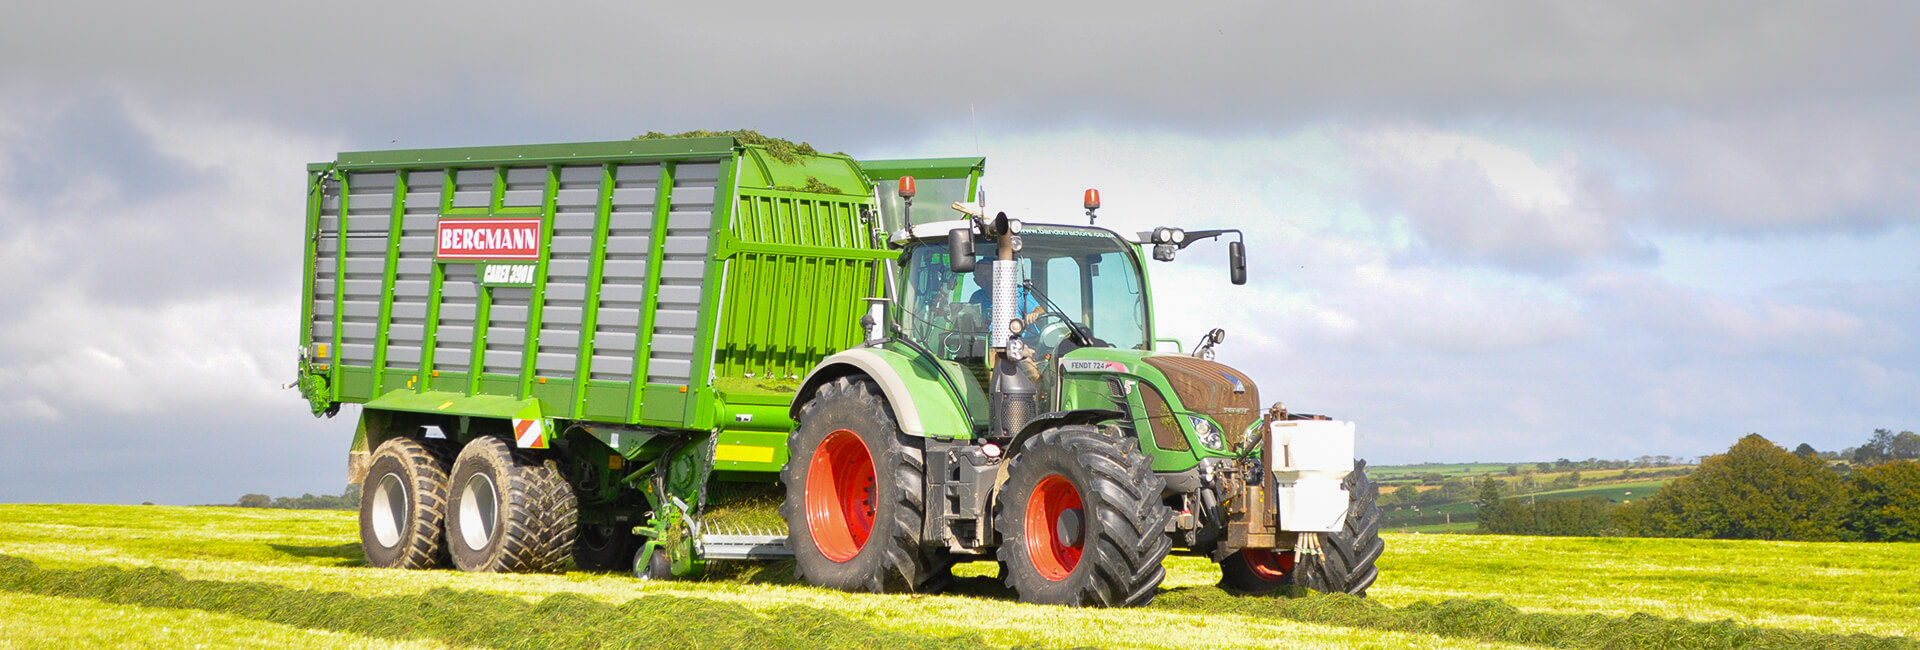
<point>1615,492</point>
<point>227,577</point>
<point>1395,473</point>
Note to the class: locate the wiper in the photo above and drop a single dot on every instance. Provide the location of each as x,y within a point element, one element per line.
<point>1079,331</point>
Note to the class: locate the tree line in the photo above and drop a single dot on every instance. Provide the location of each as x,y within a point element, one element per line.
<point>1757,490</point>
<point>347,500</point>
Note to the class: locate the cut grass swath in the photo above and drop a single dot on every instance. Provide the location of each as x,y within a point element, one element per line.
<point>1495,620</point>
<point>475,618</point>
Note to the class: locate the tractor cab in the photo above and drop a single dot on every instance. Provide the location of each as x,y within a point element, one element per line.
<point>1076,287</point>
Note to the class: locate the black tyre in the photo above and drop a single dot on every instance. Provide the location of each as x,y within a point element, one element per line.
<point>1256,570</point>
<point>403,504</point>
<point>1081,522</point>
<point>510,511</point>
<point>658,567</point>
<point>1347,561</point>
<point>606,548</point>
<point>854,496</point>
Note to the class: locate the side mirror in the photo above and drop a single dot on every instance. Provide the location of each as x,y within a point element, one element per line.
<point>1237,261</point>
<point>960,250</point>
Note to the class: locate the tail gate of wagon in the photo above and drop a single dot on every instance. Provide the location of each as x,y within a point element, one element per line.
<point>677,283</point>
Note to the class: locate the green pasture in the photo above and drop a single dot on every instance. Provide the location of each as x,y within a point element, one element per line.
<point>1399,473</point>
<point>153,576</point>
<point>1615,492</point>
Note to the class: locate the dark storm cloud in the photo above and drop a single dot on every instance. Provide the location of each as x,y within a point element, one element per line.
<point>1203,66</point>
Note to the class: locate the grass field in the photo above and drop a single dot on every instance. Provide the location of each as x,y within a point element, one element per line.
<point>152,576</point>
<point>1615,492</point>
<point>1397,475</point>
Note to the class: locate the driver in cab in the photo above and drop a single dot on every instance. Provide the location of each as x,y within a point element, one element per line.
<point>983,295</point>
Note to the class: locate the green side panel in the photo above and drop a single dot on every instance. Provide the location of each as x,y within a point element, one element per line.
<point>663,405</point>
<point>555,392</point>
<point>450,403</point>
<point>799,269</point>
<point>502,385</point>
<point>605,401</point>
<point>356,384</point>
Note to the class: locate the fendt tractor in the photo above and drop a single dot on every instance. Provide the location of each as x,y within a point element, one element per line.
<point>590,352</point>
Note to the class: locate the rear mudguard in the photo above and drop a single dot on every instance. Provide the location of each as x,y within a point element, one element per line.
<point>922,404</point>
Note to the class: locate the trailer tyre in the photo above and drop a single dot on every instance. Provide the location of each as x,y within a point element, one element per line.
<point>403,504</point>
<point>855,491</point>
<point>510,510</point>
<point>1347,562</point>
<point>1081,522</point>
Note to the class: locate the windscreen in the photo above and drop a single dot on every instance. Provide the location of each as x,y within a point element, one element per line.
<point>1087,276</point>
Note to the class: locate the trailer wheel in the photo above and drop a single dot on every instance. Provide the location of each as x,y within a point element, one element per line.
<point>1347,560</point>
<point>403,504</point>
<point>1081,522</point>
<point>1256,570</point>
<point>510,511</point>
<point>854,502</point>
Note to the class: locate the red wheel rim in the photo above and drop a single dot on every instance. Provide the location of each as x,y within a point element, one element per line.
<point>840,495</point>
<point>1055,527</point>
<point>1266,564</point>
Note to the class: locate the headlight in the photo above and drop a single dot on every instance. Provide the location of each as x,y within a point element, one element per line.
<point>1208,434</point>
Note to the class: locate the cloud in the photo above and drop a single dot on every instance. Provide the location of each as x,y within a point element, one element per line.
<point>1213,68</point>
<point>1694,321</point>
<point>136,203</point>
<point>1808,169</point>
<point>1479,201</point>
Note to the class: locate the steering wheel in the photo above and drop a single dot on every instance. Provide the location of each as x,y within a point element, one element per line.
<point>1047,331</point>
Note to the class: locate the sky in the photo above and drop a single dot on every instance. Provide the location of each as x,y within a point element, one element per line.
<point>1485,231</point>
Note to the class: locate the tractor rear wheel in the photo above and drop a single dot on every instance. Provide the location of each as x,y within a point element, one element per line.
<point>1256,570</point>
<point>403,504</point>
<point>1080,520</point>
<point>1346,563</point>
<point>510,512</point>
<point>855,495</point>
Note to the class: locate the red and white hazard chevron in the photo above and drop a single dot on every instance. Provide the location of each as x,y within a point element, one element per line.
<point>530,434</point>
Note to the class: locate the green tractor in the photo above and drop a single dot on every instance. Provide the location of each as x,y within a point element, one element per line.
<point>1008,404</point>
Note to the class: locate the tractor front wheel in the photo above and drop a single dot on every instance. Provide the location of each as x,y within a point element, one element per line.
<point>1256,570</point>
<point>1347,561</point>
<point>1080,520</point>
<point>855,496</point>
